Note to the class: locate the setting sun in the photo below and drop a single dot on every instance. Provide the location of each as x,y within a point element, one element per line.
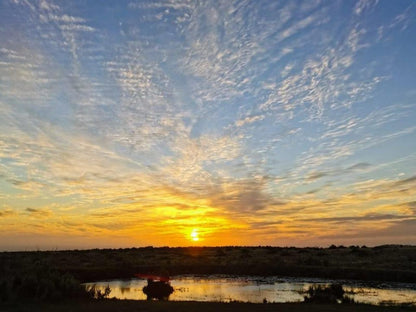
<point>195,235</point>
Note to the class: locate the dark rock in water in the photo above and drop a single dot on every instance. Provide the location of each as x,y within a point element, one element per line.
<point>160,290</point>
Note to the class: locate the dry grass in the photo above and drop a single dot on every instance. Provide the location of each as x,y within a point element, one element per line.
<point>385,263</point>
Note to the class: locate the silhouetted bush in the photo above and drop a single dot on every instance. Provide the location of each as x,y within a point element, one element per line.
<point>94,293</point>
<point>37,281</point>
<point>333,293</point>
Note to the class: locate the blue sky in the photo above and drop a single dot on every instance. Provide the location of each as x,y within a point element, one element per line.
<point>129,123</point>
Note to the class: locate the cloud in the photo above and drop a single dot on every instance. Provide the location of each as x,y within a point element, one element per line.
<point>323,82</point>
<point>359,166</point>
<point>76,27</point>
<point>365,218</point>
<point>65,18</point>
<point>6,213</point>
<point>364,5</point>
<point>315,176</point>
<point>248,120</point>
<point>404,182</point>
<point>401,21</point>
<point>25,70</point>
<point>241,197</point>
<point>221,49</point>
<point>357,134</point>
<point>411,206</point>
<point>38,213</point>
<point>197,162</point>
<point>397,231</point>
<point>296,27</point>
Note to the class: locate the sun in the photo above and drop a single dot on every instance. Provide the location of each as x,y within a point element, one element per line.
<point>195,235</point>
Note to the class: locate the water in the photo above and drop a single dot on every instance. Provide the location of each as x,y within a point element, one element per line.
<point>226,288</point>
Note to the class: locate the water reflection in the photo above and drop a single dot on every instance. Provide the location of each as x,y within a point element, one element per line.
<point>254,289</point>
<point>125,290</point>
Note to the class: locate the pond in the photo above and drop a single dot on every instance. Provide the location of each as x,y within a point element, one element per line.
<point>227,288</point>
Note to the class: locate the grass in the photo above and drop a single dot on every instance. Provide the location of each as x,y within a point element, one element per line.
<point>394,263</point>
<point>161,306</point>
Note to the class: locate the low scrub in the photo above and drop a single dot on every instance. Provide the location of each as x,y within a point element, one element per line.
<point>94,293</point>
<point>333,293</point>
<point>37,281</point>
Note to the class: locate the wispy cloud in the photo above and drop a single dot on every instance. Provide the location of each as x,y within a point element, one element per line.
<point>38,212</point>
<point>6,213</point>
<point>248,120</point>
<point>364,5</point>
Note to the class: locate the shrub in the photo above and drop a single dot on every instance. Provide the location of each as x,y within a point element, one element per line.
<point>37,281</point>
<point>94,293</point>
<point>333,293</point>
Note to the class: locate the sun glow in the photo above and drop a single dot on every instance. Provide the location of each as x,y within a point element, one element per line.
<point>195,235</point>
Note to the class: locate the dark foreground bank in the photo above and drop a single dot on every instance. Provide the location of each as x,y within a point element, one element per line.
<point>159,306</point>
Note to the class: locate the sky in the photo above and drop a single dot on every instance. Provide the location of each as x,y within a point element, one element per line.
<point>207,123</point>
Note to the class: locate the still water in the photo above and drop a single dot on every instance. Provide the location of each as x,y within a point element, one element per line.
<point>226,288</point>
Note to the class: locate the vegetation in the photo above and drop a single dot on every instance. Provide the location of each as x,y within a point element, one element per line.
<point>383,263</point>
<point>333,293</point>
<point>49,280</point>
<point>27,279</point>
<point>94,293</point>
